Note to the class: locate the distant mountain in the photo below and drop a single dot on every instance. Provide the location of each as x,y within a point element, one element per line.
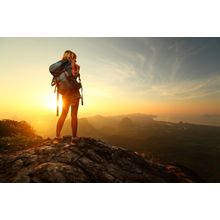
<point>99,121</point>
<point>192,145</point>
<point>87,129</point>
<point>126,123</point>
<point>137,117</point>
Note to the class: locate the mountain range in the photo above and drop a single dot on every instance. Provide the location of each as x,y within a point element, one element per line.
<point>192,145</point>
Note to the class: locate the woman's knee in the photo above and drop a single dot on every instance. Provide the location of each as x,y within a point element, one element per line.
<point>73,115</point>
<point>74,110</point>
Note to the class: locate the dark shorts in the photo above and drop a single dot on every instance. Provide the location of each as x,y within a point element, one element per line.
<point>71,98</point>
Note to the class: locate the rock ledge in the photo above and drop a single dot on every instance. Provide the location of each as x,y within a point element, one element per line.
<point>90,160</point>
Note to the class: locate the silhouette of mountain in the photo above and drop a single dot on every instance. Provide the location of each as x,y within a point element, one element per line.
<point>192,145</point>
<point>87,129</point>
<point>99,121</point>
<point>126,123</point>
<point>137,117</point>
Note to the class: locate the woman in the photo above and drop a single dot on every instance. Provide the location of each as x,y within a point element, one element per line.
<point>69,99</point>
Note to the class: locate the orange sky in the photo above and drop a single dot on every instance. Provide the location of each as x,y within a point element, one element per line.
<point>119,75</point>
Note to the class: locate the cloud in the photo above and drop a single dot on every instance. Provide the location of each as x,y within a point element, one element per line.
<point>173,68</point>
<point>188,89</point>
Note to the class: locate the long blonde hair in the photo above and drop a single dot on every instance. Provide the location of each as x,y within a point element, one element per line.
<point>69,55</point>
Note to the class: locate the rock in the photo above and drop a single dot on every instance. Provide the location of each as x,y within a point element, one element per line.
<point>90,160</point>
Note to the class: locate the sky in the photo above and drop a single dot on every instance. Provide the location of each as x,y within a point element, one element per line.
<point>160,76</point>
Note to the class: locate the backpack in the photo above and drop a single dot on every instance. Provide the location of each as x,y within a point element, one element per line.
<point>63,79</point>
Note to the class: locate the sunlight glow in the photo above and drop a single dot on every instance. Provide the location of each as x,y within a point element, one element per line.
<point>50,102</point>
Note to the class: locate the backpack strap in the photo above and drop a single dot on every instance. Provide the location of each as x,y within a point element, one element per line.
<point>54,83</point>
<point>57,103</point>
<point>78,75</point>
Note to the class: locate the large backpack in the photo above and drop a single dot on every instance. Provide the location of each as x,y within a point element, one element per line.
<point>63,79</point>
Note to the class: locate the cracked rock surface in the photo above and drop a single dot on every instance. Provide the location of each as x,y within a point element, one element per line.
<point>90,160</point>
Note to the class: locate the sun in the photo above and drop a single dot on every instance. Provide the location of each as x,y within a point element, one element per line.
<point>50,102</point>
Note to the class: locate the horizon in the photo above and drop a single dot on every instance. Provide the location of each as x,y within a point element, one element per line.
<point>203,120</point>
<point>167,77</point>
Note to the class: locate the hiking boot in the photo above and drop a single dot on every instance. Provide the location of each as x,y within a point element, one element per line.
<point>74,140</point>
<point>57,140</point>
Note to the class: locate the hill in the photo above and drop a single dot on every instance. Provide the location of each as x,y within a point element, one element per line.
<point>90,160</point>
<point>193,145</point>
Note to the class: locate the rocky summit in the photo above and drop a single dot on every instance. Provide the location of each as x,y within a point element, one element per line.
<point>90,160</point>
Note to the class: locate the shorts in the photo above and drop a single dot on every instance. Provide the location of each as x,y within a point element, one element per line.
<point>71,98</point>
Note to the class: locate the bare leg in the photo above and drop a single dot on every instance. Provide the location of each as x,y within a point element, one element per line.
<point>74,120</point>
<point>62,118</point>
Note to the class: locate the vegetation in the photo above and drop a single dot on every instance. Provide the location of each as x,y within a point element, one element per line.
<point>9,128</point>
<point>16,135</point>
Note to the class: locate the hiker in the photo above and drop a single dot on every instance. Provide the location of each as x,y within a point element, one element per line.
<point>69,98</point>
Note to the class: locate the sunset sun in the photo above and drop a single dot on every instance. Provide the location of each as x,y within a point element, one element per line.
<point>50,102</point>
